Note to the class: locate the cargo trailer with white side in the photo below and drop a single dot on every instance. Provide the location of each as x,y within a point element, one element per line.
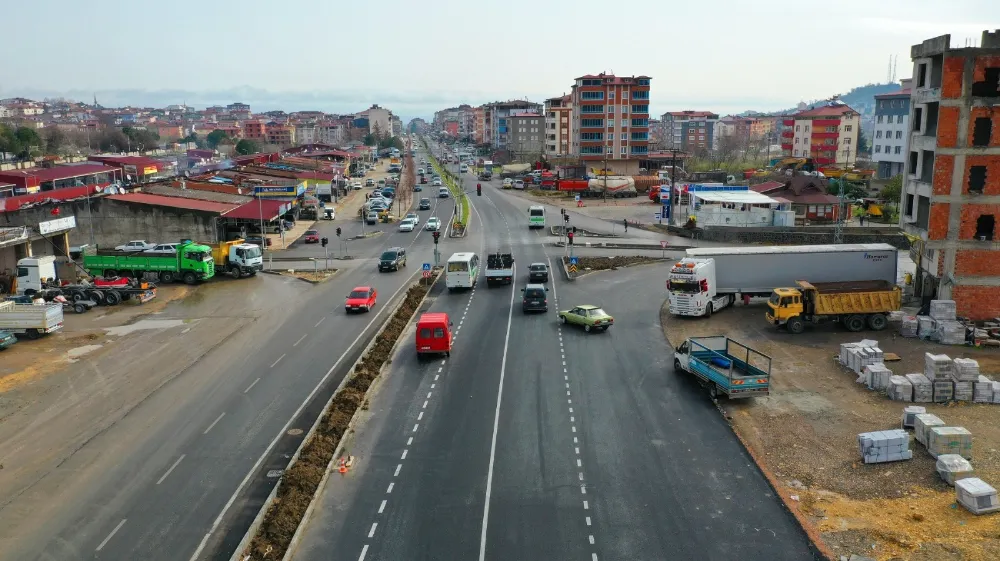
<point>30,320</point>
<point>711,278</point>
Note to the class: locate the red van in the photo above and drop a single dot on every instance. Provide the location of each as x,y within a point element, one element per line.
<point>434,334</point>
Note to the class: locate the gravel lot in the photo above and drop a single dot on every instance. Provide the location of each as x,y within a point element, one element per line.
<point>805,434</point>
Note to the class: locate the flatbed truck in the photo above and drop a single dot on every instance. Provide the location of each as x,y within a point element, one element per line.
<point>192,263</point>
<point>499,268</point>
<point>853,304</point>
<point>725,366</point>
<point>30,320</point>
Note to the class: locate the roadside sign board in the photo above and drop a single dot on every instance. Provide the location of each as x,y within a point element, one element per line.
<point>573,260</point>
<point>427,274</point>
<point>578,198</point>
<point>656,216</point>
<point>427,266</point>
<point>663,244</point>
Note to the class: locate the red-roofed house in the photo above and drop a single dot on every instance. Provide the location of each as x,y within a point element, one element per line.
<point>828,134</point>
<point>35,180</point>
<point>807,196</point>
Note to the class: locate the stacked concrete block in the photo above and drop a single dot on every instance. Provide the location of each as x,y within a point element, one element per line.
<point>884,446</point>
<point>937,366</point>
<point>943,310</point>
<point>909,326</point>
<point>949,332</point>
<point>922,424</point>
<point>877,376</point>
<point>996,392</point>
<point>910,413</point>
<point>952,467</point>
<point>926,327</point>
<point>845,349</point>
<point>962,391</point>
<point>900,389</point>
<point>923,390</point>
<point>982,390</point>
<point>949,440</point>
<point>944,390</point>
<point>976,495</point>
<point>965,370</point>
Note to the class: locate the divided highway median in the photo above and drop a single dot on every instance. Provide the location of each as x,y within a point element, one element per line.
<point>277,526</point>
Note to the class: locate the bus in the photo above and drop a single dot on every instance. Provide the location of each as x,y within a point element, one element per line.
<point>463,268</point>
<point>536,216</point>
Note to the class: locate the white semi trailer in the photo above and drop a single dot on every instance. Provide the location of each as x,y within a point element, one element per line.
<point>711,278</point>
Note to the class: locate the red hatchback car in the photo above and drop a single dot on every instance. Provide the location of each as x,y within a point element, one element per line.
<point>362,298</point>
<point>312,236</point>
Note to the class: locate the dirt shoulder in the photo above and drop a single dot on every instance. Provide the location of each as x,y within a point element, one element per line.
<point>805,435</point>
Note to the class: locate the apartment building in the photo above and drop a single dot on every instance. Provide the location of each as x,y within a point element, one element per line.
<point>526,135</point>
<point>688,130</point>
<point>610,120</point>
<point>255,130</point>
<point>951,185</point>
<point>479,124</point>
<point>891,132</point>
<point>495,126</point>
<point>280,134</point>
<point>558,113</point>
<point>379,119</point>
<point>827,133</point>
<point>320,133</point>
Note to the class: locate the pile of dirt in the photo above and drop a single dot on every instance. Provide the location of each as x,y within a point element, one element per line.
<point>300,482</point>
<point>606,263</point>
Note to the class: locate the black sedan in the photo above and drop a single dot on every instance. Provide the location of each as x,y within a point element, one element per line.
<point>538,272</point>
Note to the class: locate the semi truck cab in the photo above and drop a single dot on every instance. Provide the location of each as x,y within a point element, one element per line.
<point>692,288</point>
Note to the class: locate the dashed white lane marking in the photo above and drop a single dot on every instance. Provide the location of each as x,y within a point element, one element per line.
<point>273,364</point>
<point>405,451</point>
<point>300,340</point>
<point>579,463</point>
<point>215,422</point>
<point>588,521</point>
<point>391,485</point>
<point>429,394</point>
<point>321,320</point>
<point>415,427</point>
<point>111,535</point>
<point>409,441</point>
<point>425,404</point>
<point>593,557</point>
<point>164,476</point>
<point>251,385</point>
<point>586,506</point>
<point>364,551</point>
<point>420,417</point>
<point>371,533</point>
<point>591,539</point>
<point>381,507</point>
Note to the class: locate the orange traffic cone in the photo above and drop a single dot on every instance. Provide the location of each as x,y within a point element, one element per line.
<point>343,466</point>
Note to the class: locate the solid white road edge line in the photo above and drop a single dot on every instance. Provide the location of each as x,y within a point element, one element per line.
<point>496,424</point>
<point>260,460</point>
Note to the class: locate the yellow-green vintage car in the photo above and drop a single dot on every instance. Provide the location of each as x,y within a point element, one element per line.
<point>590,317</point>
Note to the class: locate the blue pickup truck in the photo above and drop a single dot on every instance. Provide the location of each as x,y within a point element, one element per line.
<point>727,367</point>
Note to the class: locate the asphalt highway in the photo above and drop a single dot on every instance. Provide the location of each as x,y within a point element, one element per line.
<point>184,472</point>
<point>537,441</point>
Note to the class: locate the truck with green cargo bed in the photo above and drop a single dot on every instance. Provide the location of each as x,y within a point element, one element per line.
<point>192,263</point>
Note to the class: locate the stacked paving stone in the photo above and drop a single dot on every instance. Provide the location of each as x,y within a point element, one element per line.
<point>910,413</point>
<point>884,446</point>
<point>976,495</point>
<point>910,326</point>
<point>949,440</point>
<point>965,372</point>
<point>923,390</point>
<point>922,423</point>
<point>952,467</point>
<point>982,390</point>
<point>900,389</point>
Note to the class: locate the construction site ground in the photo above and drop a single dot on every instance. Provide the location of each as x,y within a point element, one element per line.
<point>805,436</point>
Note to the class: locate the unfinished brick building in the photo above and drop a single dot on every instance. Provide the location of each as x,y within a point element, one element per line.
<point>951,187</point>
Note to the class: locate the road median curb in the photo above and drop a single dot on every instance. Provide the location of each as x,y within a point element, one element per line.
<point>277,541</point>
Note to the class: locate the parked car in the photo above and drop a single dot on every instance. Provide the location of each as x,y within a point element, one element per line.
<point>362,298</point>
<point>538,272</point>
<point>262,241</point>
<point>311,236</point>
<point>433,224</point>
<point>371,218</point>
<point>589,316</point>
<point>369,182</point>
<point>534,298</point>
<point>392,259</point>
<point>518,184</point>
<point>135,245</point>
<point>6,339</point>
<point>507,183</point>
<point>425,204</point>
<point>163,248</point>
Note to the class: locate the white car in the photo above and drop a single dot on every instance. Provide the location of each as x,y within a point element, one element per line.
<point>414,217</point>
<point>356,185</point>
<point>407,225</point>
<point>518,184</point>
<point>436,183</point>
<point>135,245</point>
<point>433,224</point>
<point>163,249</point>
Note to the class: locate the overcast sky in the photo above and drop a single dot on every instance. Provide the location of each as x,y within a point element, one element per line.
<point>417,57</point>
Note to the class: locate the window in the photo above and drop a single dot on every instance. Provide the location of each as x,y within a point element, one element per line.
<point>887,147</point>
<point>977,179</point>
<point>640,122</point>
<point>611,151</point>
<point>922,75</point>
<point>899,118</point>
<point>589,149</point>
<point>912,169</point>
<point>611,94</point>
<point>981,132</point>
<point>591,109</point>
<point>880,116</point>
<point>847,141</point>
<point>798,128</point>
<point>624,150</point>
<point>611,109</point>
<point>806,129</point>
<point>878,134</point>
<point>624,136</point>
<point>796,153</point>
<point>796,140</point>
<point>640,109</point>
<point>898,150</point>
<point>985,225</point>
<point>591,136</point>
<point>899,135</point>
<point>878,148</point>
<point>592,122</point>
<point>847,128</point>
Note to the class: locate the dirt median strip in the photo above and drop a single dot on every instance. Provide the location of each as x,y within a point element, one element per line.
<point>300,482</point>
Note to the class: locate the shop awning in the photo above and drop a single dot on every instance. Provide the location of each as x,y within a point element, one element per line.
<point>738,197</point>
<point>262,209</point>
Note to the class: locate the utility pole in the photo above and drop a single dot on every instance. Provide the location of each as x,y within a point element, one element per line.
<point>605,173</point>
<point>838,231</point>
<point>673,189</point>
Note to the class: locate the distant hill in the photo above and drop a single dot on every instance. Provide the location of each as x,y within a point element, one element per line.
<point>861,99</point>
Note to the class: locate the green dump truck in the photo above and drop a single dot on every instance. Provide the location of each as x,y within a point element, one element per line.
<point>192,263</point>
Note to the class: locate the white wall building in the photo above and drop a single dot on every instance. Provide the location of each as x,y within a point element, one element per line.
<point>890,136</point>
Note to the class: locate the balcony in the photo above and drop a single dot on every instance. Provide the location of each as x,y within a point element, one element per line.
<point>786,146</point>
<point>788,122</point>
<point>826,123</point>
<point>825,135</point>
<point>788,134</point>
<point>823,147</point>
